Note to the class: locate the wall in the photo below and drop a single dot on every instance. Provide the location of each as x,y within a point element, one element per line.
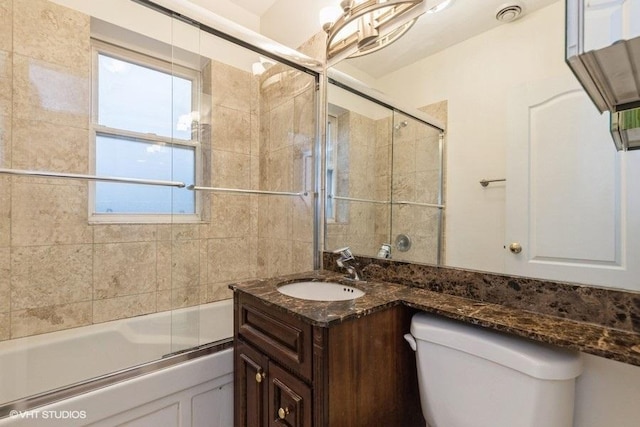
<point>490,66</point>
<point>57,270</point>
<point>487,66</point>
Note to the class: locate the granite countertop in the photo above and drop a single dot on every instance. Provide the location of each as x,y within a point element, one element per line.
<point>605,341</point>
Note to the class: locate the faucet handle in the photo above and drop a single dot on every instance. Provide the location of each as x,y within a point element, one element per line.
<point>345,253</point>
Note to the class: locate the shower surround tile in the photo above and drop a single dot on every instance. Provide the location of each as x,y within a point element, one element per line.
<point>231,130</point>
<point>38,145</point>
<point>33,321</point>
<point>231,170</point>
<point>122,233</point>
<point>230,87</point>
<point>5,326</point>
<point>105,310</point>
<point>5,211</point>
<point>121,269</point>
<point>6,24</point>
<point>6,82</point>
<point>51,93</point>
<point>5,280</point>
<point>46,31</point>
<point>50,275</point>
<point>44,214</point>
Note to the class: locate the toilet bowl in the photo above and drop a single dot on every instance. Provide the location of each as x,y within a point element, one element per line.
<point>470,376</point>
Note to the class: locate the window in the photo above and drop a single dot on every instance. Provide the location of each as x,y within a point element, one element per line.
<point>144,126</point>
<point>332,162</point>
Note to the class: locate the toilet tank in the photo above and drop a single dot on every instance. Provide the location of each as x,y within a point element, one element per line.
<point>471,376</point>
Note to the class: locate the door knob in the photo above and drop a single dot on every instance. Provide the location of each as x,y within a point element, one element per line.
<point>515,248</point>
<point>260,376</point>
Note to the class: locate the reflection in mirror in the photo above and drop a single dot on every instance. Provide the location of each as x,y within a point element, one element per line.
<point>358,179</point>
<point>384,181</point>
<point>416,213</point>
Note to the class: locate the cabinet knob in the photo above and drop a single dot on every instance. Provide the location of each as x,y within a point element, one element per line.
<point>283,412</point>
<point>260,376</point>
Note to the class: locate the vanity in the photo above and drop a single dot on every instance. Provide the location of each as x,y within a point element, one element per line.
<point>301,362</point>
<point>333,367</point>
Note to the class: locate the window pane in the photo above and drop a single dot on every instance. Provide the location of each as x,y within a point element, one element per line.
<point>141,99</point>
<point>137,159</point>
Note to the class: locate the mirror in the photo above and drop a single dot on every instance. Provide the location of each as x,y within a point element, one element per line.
<point>384,180</point>
<point>478,69</point>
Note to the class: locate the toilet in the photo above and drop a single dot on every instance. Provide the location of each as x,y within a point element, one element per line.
<point>469,376</point>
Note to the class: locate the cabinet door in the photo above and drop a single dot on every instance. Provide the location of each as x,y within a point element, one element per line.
<point>250,386</point>
<point>289,399</point>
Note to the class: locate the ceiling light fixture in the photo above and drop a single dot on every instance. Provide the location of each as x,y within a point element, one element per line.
<point>360,27</point>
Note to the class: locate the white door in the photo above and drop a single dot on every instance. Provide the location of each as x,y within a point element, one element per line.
<point>572,200</point>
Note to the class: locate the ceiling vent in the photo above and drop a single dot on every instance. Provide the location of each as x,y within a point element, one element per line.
<point>508,12</point>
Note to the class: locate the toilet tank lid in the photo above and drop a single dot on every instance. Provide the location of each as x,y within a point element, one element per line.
<point>533,358</point>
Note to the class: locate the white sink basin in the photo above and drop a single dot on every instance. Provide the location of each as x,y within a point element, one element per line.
<point>320,291</point>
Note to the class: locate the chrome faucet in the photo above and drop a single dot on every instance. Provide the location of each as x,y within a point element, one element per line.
<point>348,262</point>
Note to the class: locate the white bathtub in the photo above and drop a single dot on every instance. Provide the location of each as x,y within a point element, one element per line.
<point>40,363</point>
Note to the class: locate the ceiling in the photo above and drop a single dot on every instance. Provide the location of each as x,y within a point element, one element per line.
<point>257,7</point>
<point>431,33</point>
<point>434,32</point>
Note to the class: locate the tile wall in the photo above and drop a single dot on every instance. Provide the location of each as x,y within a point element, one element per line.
<point>57,270</point>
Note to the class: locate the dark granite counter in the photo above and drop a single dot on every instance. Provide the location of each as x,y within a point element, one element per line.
<point>603,340</point>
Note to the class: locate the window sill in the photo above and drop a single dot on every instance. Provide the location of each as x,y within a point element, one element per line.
<point>97,219</point>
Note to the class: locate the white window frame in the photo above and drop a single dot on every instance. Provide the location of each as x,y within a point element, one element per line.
<point>332,165</point>
<point>160,64</point>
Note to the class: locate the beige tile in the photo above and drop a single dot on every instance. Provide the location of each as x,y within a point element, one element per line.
<point>276,220</point>
<point>123,307</point>
<point>301,257</point>
<point>46,92</point>
<point>33,321</point>
<point>124,269</point>
<point>5,141</point>
<point>231,170</point>
<point>230,216</point>
<point>427,186</point>
<point>5,279</point>
<point>6,24</point>
<point>218,292</point>
<point>275,255</point>
<point>5,326</point>
<point>50,275</point>
<point>279,170</point>
<point>163,300</point>
<point>45,146</point>
<point>179,298</point>
<point>120,233</point>
<point>45,214</point>
<point>6,82</point>
<point>316,46</point>
<point>163,265</point>
<point>229,259</point>
<point>231,130</point>
<point>302,219</point>
<point>255,134</point>
<point>230,87</point>
<point>281,126</point>
<point>204,262</point>
<point>52,33</point>
<point>428,153</point>
<point>5,211</point>
<point>304,113</point>
<point>185,231</point>
<point>185,264</point>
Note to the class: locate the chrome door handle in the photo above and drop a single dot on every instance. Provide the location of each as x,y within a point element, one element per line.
<point>515,248</point>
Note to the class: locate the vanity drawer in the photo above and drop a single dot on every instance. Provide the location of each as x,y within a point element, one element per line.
<point>279,335</point>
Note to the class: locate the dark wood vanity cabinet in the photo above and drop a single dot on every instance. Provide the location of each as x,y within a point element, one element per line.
<point>288,372</point>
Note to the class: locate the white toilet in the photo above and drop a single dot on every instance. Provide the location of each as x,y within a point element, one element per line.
<point>470,376</point>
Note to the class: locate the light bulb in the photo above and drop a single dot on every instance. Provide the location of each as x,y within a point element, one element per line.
<point>329,15</point>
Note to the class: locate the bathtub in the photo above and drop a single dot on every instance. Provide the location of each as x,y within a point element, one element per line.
<point>142,368</point>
